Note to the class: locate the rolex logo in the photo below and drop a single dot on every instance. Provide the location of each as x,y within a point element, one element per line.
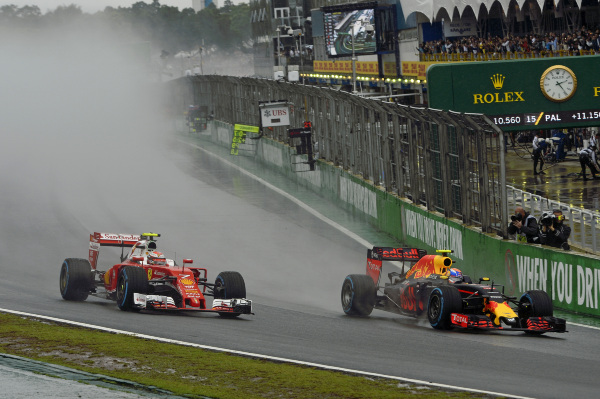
<point>498,97</point>
<point>497,81</point>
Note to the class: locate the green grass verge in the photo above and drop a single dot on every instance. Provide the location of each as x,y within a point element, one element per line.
<point>188,371</point>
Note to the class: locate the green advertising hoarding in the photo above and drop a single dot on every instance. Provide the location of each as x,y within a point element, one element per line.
<point>543,93</point>
<point>571,279</point>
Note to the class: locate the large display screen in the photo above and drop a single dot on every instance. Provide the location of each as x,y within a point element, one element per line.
<point>350,26</point>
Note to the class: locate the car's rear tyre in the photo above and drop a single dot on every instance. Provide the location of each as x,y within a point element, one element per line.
<point>535,303</point>
<point>443,301</point>
<point>131,279</point>
<point>76,279</point>
<point>358,295</point>
<point>229,285</point>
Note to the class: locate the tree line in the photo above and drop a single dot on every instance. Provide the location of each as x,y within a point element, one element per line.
<point>166,27</point>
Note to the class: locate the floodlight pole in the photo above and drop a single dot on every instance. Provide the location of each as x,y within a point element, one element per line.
<point>353,62</point>
<point>201,63</point>
<point>279,45</point>
<point>301,51</point>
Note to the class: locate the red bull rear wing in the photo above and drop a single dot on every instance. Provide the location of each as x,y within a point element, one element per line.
<point>398,254</point>
<point>377,255</point>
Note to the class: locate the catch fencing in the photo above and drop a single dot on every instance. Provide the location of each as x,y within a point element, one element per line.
<point>445,162</point>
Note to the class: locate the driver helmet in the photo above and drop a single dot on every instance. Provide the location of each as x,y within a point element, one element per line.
<point>156,258</point>
<point>455,275</point>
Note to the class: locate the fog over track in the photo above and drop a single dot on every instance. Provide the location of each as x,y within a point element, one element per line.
<point>83,149</point>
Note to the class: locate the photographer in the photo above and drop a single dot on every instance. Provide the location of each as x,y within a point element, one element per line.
<point>524,226</point>
<point>553,232</point>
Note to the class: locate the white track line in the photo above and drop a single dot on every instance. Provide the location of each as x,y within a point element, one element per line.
<point>259,356</point>
<point>584,326</point>
<point>295,200</point>
<point>273,358</point>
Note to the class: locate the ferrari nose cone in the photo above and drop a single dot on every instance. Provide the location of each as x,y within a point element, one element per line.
<point>195,302</point>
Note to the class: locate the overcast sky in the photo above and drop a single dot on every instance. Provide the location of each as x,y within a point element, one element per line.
<point>91,6</point>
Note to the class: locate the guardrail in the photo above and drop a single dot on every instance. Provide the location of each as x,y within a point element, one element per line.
<point>445,162</point>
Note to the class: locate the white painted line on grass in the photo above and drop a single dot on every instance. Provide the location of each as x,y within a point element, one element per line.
<point>259,356</point>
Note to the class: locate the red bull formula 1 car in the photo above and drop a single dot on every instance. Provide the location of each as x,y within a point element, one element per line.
<point>432,287</point>
<point>146,279</point>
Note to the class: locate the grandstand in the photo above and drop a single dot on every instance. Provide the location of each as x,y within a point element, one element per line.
<point>474,30</point>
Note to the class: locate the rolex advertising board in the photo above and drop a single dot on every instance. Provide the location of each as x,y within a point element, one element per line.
<point>542,93</point>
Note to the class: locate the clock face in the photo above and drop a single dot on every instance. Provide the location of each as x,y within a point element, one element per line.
<point>558,83</point>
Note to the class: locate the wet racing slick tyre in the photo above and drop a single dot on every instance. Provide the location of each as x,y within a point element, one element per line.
<point>76,279</point>
<point>443,301</point>
<point>229,285</point>
<point>131,279</point>
<point>534,303</point>
<point>358,295</point>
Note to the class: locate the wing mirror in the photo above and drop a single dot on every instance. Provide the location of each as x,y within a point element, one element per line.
<point>188,261</point>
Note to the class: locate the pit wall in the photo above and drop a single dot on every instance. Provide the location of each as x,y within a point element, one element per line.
<point>571,279</point>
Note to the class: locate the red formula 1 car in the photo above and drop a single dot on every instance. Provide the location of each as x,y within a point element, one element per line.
<point>145,279</point>
<point>432,287</point>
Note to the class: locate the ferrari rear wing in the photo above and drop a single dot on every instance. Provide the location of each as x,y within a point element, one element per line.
<point>377,255</point>
<point>98,240</point>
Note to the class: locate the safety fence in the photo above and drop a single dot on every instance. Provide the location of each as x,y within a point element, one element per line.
<point>496,56</point>
<point>442,161</point>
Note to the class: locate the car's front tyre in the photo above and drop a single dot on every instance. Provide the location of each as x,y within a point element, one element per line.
<point>534,303</point>
<point>443,301</point>
<point>131,279</point>
<point>229,285</point>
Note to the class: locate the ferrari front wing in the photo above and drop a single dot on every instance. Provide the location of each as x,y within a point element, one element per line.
<point>162,302</point>
<point>532,324</point>
<point>237,305</point>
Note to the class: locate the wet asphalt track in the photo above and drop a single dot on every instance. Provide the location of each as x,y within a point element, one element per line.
<point>293,264</point>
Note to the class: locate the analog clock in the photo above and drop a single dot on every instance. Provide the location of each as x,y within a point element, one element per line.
<point>558,83</point>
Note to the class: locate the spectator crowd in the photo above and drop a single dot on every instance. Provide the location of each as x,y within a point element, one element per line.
<point>581,40</point>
